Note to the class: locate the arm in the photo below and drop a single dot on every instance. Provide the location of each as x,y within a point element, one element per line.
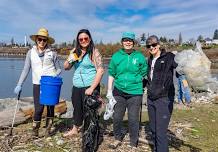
<point>99,66</point>
<point>67,65</point>
<point>144,67</point>
<point>26,69</point>
<point>110,83</point>
<point>144,71</point>
<point>112,73</point>
<point>174,62</point>
<point>57,64</point>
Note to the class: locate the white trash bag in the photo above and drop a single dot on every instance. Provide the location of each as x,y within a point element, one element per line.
<point>196,66</point>
<point>109,108</point>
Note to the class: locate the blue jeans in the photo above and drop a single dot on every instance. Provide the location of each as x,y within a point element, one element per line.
<point>183,90</point>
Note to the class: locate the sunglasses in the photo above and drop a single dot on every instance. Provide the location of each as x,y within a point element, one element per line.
<point>152,45</point>
<point>86,39</point>
<point>40,39</point>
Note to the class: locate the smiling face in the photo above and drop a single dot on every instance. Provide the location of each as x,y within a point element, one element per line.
<point>127,43</point>
<point>153,46</point>
<point>84,40</point>
<point>41,42</point>
<point>154,49</point>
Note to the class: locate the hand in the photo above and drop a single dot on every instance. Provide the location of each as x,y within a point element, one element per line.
<point>109,94</point>
<point>144,82</point>
<point>89,91</point>
<point>17,89</point>
<point>72,57</point>
<point>180,69</point>
<point>58,72</point>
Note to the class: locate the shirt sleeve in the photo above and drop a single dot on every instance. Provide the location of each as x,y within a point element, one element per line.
<point>26,69</point>
<point>112,68</point>
<point>57,64</point>
<point>174,62</point>
<point>144,67</point>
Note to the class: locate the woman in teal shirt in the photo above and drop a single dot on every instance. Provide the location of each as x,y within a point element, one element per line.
<point>88,64</point>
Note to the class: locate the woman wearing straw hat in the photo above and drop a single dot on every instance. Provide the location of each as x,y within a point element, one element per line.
<point>43,61</point>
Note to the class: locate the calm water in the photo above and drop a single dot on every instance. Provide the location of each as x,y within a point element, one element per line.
<point>11,69</point>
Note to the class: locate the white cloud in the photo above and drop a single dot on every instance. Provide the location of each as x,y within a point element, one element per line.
<point>64,18</point>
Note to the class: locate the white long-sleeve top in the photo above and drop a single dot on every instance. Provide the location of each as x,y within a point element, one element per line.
<point>47,65</point>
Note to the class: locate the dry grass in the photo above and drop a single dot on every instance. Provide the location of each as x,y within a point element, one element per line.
<point>191,130</point>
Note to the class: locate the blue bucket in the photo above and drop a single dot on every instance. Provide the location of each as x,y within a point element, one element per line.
<point>50,88</point>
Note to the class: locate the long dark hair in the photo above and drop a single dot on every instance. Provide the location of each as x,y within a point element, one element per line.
<point>90,46</point>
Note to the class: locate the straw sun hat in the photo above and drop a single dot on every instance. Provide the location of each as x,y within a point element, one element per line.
<point>42,32</point>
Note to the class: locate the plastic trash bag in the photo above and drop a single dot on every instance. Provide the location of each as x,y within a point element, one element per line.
<point>91,128</point>
<point>196,67</point>
<point>109,108</point>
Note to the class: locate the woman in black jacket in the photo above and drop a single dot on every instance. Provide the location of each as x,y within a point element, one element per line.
<point>160,88</point>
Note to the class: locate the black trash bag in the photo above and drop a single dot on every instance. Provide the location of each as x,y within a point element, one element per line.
<point>91,129</point>
<point>92,102</point>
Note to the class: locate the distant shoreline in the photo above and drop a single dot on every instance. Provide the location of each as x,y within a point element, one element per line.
<point>212,54</point>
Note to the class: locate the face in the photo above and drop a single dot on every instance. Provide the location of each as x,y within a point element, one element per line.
<point>127,44</point>
<point>41,42</point>
<point>84,40</point>
<point>153,48</point>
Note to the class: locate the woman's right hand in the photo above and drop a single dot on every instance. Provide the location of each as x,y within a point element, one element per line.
<point>72,58</point>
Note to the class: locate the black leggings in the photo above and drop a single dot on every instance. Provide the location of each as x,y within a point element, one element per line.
<point>78,95</point>
<point>38,107</point>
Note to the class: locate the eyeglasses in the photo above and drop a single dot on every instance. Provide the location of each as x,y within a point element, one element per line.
<point>86,39</point>
<point>151,45</point>
<point>40,39</point>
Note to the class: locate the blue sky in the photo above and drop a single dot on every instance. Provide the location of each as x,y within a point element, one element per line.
<point>107,19</point>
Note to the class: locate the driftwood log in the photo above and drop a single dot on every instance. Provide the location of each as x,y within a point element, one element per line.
<point>26,112</point>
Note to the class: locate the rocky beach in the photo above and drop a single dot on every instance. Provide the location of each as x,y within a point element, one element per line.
<point>182,129</point>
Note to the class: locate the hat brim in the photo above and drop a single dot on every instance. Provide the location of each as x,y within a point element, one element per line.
<point>50,39</point>
<point>127,38</point>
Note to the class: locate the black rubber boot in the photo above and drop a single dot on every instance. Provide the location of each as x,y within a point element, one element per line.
<point>36,126</point>
<point>48,125</point>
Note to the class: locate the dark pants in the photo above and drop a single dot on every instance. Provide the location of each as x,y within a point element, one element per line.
<point>133,105</point>
<point>78,95</point>
<point>38,107</point>
<point>159,113</point>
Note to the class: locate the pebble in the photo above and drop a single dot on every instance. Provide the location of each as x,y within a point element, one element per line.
<point>50,144</point>
<point>48,139</point>
<point>60,142</point>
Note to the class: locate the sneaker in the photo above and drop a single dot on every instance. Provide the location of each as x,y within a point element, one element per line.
<point>115,144</point>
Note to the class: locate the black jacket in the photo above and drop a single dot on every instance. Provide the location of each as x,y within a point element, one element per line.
<point>162,81</point>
